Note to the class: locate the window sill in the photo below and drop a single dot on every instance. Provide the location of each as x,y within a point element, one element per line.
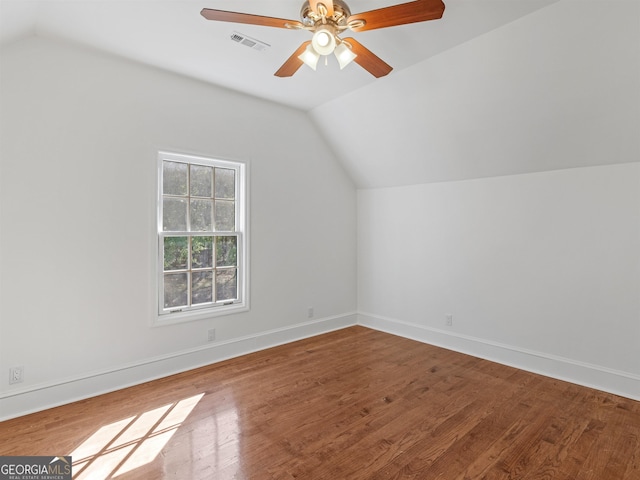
<point>195,315</point>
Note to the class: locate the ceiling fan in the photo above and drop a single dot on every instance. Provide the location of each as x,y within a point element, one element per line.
<point>327,19</point>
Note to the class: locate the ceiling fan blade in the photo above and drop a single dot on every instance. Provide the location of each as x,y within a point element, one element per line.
<point>235,17</point>
<point>410,12</point>
<point>313,4</point>
<point>293,63</point>
<point>367,59</point>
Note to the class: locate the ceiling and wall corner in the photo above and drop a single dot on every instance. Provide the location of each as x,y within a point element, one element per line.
<point>555,89</point>
<point>528,85</point>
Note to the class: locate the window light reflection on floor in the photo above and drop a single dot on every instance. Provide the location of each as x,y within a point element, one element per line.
<point>130,443</point>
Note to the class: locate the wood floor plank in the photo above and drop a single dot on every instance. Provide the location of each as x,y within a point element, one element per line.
<point>353,404</point>
<point>466,439</point>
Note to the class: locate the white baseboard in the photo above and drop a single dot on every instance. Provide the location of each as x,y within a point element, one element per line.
<point>609,380</point>
<point>35,398</point>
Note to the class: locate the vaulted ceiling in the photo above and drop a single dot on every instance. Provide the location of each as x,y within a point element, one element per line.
<point>174,36</point>
<point>486,90</point>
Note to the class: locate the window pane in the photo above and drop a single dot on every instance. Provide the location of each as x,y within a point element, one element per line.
<point>201,287</point>
<point>175,290</point>
<point>201,252</point>
<point>226,284</point>
<point>176,253</point>
<point>226,251</point>
<point>201,215</point>
<point>201,181</point>
<point>225,216</point>
<point>225,183</point>
<point>174,178</point>
<point>174,214</point>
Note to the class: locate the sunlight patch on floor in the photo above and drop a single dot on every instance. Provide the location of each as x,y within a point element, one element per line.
<point>130,443</point>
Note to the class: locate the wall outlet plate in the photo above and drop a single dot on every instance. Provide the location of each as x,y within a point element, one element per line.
<point>16,375</point>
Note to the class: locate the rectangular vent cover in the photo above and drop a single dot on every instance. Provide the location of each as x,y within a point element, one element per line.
<point>249,42</point>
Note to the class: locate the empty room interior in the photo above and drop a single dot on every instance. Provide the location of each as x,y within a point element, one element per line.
<point>220,262</point>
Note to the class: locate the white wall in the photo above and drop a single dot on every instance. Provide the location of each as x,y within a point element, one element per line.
<point>541,271</point>
<point>79,139</point>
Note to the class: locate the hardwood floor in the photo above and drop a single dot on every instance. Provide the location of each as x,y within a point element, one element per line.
<point>352,404</point>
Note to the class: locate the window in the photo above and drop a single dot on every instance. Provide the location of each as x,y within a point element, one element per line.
<point>202,242</point>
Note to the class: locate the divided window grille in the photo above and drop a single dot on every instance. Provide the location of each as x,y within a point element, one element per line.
<point>200,233</point>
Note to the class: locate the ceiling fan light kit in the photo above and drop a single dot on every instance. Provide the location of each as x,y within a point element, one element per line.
<point>344,55</point>
<point>327,19</point>
<point>309,57</point>
<point>324,40</point>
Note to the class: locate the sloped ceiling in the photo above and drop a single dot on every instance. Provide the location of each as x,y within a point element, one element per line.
<point>557,89</point>
<point>174,36</point>
<point>495,87</point>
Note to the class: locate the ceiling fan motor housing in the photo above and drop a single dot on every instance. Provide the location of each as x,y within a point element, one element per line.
<point>339,18</point>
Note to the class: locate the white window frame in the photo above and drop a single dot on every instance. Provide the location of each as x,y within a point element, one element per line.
<point>166,316</point>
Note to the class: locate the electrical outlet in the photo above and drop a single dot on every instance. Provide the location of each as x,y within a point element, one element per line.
<point>310,312</point>
<point>449,320</point>
<point>16,375</point>
<point>211,335</point>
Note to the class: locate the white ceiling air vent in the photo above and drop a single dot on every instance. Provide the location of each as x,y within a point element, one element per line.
<point>242,39</point>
